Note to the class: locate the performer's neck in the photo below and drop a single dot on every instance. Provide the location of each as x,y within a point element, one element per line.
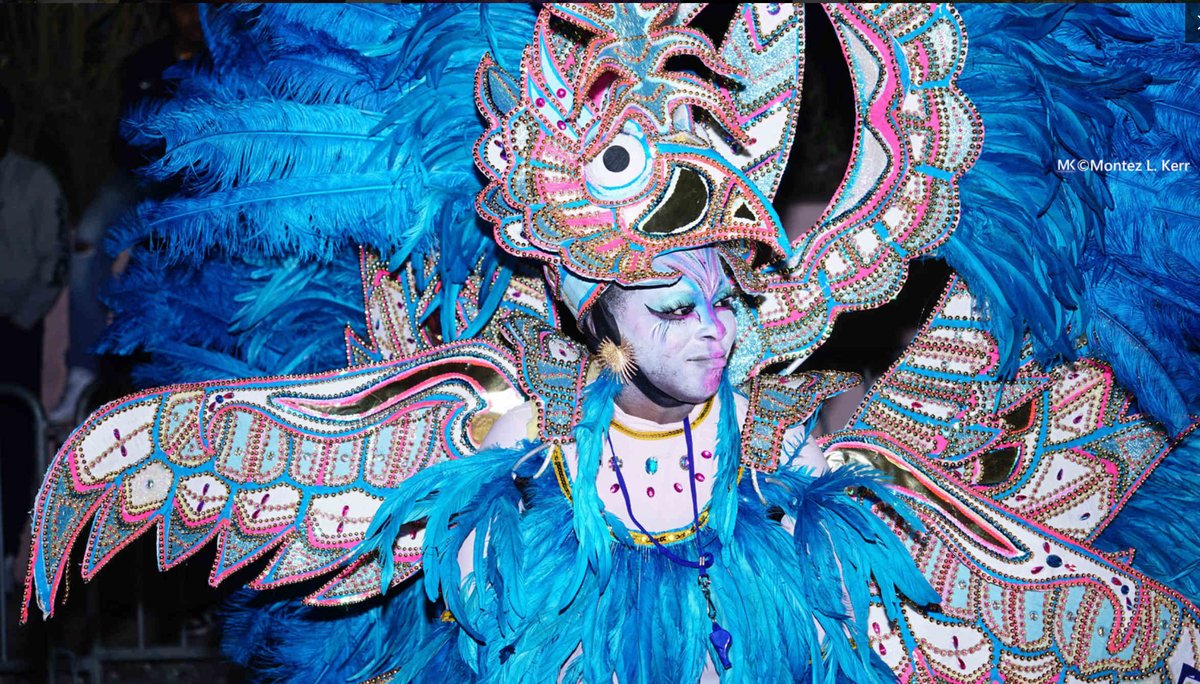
<point>634,402</point>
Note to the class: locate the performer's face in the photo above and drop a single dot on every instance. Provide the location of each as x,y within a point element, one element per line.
<point>682,333</point>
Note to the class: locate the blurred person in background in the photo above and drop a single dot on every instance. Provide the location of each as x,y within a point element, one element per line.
<point>33,271</point>
<point>142,78</point>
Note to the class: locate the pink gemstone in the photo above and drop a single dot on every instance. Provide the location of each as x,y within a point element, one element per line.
<point>650,492</point>
<point>705,454</point>
<point>540,102</point>
<point>678,487</point>
<point>615,488</point>
<point>562,125</point>
<point>561,92</point>
<point>699,477</point>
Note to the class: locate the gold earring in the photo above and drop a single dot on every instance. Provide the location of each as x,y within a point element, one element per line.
<point>618,358</point>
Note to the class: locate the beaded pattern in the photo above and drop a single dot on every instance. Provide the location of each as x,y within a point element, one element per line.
<point>1013,481</point>
<point>777,404</point>
<point>548,199</point>
<point>917,135</point>
<point>398,313</point>
<point>680,183</point>
<point>553,372</point>
<point>294,467</point>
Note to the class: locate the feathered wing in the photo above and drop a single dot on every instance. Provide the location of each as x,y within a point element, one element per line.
<point>291,467</point>
<point>1079,222</point>
<point>1014,479</point>
<point>314,131</point>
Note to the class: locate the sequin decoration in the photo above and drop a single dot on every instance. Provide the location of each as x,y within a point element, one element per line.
<point>600,186</point>
<point>293,467</point>
<point>400,317</point>
<point>1013,480</point>
<point>553,371</point>
<point>899,200</point>
<point>778,404</point>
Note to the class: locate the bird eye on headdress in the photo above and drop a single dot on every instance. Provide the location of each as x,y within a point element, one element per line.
<point>621,169</point>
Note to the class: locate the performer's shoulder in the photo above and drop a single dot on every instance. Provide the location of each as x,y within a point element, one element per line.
<point>515,426</point>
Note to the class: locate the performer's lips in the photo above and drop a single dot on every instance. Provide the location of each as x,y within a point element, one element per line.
<point>714,360</point>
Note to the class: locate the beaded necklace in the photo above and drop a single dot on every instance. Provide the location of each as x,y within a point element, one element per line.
<point>720,637</point>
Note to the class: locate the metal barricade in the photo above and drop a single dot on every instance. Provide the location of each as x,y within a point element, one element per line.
<point>127,622</point>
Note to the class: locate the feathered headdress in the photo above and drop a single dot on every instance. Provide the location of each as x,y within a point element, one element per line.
<point>599,156</point>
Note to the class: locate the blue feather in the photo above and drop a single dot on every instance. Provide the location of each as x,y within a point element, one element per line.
<point>1086,254</point>
<point>1174,556</point>
<point>286,152</point>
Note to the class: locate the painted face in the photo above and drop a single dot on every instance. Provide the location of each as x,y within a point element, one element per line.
<point>681,334</point>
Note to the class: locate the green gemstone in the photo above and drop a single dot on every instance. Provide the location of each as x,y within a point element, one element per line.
<point>651,465</point>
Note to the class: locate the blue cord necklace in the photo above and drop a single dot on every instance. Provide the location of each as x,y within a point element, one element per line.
<point>721,639</point>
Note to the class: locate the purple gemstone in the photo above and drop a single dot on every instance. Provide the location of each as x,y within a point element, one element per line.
<point>705,454</point>
<point>562,125</point>
<point>615,488</point>
<point>540,102</point>
<point>650,492</point>
<point>678,487</point>
<point>699,477</point>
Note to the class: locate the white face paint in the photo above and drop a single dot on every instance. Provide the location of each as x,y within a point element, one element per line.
<point>681,334</point>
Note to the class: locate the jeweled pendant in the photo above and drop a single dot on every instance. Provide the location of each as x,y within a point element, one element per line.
<point>651,465</point>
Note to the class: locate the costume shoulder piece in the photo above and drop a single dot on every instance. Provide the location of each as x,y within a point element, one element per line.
<point>1014,481</point>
